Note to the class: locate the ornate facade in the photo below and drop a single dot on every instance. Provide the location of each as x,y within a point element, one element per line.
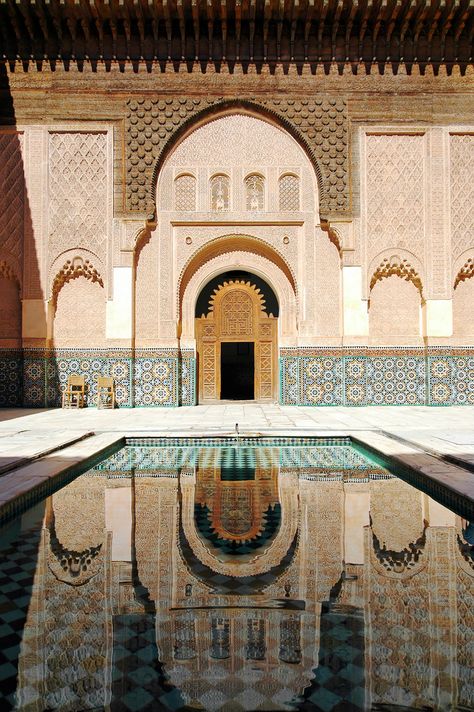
<point>342,190</point>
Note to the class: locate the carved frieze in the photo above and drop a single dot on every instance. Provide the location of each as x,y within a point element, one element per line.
<point>319,124</point>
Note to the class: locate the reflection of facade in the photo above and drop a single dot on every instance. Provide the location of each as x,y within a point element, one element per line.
<point>156,593</point>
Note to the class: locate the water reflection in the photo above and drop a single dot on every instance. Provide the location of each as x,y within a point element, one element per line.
<point>238,579</point>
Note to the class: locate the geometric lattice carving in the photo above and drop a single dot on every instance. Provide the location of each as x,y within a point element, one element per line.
<point>401,268</point>
<point>254,188</point>
<point>185,193</point>
<point>255,292</point>
<point>289,198</point>
<point>394,194</point>
<point>466,272</point>
<point>220,192</point>
<point>78,192</point>
<point>462,193</point>
<point>71,270</point>
<point>236,314</point>
<point>12,194</point>
<point>320,125</point>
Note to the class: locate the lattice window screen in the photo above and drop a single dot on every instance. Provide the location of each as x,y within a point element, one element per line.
<point>254,187</point>
<point>220,193</point>
<point>289,192</point>
<point>185,193</point>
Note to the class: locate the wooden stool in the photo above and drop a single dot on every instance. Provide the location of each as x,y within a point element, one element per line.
<point>105,392</point>
<point>74,392</point>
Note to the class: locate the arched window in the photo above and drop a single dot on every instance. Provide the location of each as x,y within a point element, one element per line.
<point>254,191</point>
<point>220,192</point>
<point>185,192</point>
<point>289,189</point>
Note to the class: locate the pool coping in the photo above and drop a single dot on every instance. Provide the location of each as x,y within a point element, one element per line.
<point>40,477</point>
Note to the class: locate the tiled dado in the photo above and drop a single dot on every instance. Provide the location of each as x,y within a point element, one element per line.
<point>377,376</point>
<point>150,378</point>
<point>11,367</point>
<point>308,376</point>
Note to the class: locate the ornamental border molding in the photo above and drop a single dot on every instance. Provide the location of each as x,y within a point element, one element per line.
<point>320,125</point>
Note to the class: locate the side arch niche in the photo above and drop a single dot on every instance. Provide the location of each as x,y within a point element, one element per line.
<point>10,312</point>
<point>79,305</point>
<point>236,339</point>
<point>463,299</point>
<point>395,289</point>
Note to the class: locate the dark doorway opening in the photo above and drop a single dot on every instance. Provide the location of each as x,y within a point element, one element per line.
<point>237,370</point>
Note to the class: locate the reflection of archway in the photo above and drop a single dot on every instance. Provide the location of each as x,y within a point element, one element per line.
<point>237,344</point>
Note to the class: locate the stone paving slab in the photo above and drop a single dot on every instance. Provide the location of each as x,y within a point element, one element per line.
<point>21,447</point>
<point>450,476</point>
<point>37,478</point>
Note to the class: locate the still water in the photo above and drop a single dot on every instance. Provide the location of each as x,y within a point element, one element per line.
<point>237,578</point>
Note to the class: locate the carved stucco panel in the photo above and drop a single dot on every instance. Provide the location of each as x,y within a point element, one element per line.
<point>12,198</point>
<point>462,192</point>
<point>393,201</point>
<point>321,124</point>
<point>78,192</point>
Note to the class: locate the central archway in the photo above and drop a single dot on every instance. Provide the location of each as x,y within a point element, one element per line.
<point>236,329</point>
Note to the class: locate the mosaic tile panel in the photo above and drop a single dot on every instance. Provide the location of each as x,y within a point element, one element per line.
<point>10,378</point>
<point>359,379</point>
<point>289,380</point>
<point>34,380</point>
<point>396,380</point>
<point>91,367</point>
<point>451,380</point>
<point>355,379</point>
<point>321,380</point>
<point>156,381</point>
<point>187,378</point>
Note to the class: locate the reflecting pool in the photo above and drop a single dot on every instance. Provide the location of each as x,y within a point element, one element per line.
<point>237,578</point>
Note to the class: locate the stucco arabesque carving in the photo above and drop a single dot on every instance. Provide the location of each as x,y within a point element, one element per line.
<point>320,126</point>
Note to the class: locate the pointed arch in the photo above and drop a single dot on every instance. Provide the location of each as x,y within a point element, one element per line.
<point>237,106</point>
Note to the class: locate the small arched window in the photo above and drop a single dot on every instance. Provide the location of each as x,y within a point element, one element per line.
<point>289,192</point>
<point>220,192</point>
<point>185,192</point>
<point>255,192</point>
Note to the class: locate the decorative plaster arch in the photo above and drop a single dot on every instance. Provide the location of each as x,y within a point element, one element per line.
<point>221,108</point>
<point>233,243</point>
<point>290,522</point>
<point>75,267</point>
<point>69,255</point>
<point>463,267</point>
<point>250,262</point>
<point>398,262</point>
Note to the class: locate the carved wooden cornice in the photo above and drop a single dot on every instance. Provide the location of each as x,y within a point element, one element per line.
<point>341,32</point>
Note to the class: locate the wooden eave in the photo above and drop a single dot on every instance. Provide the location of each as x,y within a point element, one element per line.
<point>345,33</point>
